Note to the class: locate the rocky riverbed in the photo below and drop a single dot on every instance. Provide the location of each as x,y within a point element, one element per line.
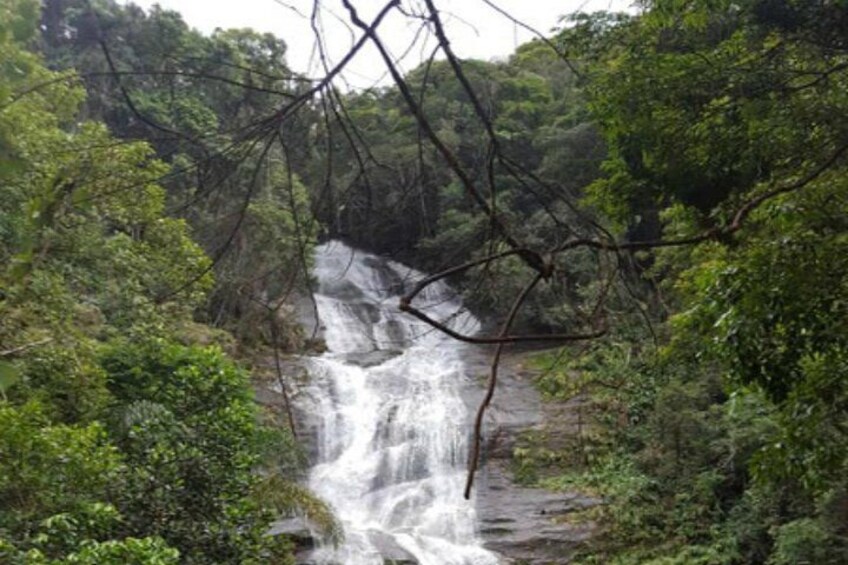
<point>524,525</point>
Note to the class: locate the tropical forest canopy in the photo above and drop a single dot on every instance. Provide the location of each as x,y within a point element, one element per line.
<point>661,196</point>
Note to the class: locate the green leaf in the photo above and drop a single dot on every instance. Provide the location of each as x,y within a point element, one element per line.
<point>9,375</point>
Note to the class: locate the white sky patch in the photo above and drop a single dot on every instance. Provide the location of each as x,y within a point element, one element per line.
<point>475,29</point>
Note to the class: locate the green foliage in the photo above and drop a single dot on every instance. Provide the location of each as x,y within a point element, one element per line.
<point>187,427</point>
<point>273,244</point>
<point>732,450</point>
<point>9,375</point>
<point>84,207</point>
<point>49,469</point>
<point>397,196</point>
<point>68,381</point>
<point>193,97</point>
<point>806,541</point>
<point>19,21</point>
<point>773,312</point>
<point>290,498</point>
<point>724,444</point>
<point>109,452</point>
<point>130,551</point>
<point>740,86</point>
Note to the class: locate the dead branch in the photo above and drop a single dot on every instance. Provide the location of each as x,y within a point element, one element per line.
<point>474,458</point>
<point>24,347</point>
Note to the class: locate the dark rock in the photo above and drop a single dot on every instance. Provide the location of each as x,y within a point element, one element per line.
<point>367,313</point>
<point>295,529</point>
<point>341,289</point>
<point>371,358</point>
<point>525,525</point>
<point>391,282</point>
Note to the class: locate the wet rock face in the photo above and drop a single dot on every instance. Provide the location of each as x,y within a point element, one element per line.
<point>371,358</point>
<point>525,525</point>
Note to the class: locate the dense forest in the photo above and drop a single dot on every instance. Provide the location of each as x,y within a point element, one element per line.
<point>658,197</point>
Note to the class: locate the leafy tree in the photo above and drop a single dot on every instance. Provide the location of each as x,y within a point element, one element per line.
<point>724,128</point>
<point>188,429</point>
<point>203,103</point>
<point>111,453</point>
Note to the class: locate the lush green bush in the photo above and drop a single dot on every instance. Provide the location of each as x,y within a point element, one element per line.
<point>48,469</point>
<point>187,427</point>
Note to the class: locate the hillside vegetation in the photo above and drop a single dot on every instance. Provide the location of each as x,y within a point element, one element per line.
<point>666,192</point>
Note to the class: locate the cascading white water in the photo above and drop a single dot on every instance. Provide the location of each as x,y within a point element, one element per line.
<point>393,428</point>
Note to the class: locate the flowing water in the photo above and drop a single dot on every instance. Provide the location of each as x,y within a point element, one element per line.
<point>393,431</point>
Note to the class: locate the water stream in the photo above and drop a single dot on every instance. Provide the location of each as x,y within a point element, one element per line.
<point>393,430</point>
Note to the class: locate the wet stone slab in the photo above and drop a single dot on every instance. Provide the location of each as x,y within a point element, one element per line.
<point>525,525</point>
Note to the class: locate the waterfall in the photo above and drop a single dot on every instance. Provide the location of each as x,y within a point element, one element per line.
<point>393,430</point>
